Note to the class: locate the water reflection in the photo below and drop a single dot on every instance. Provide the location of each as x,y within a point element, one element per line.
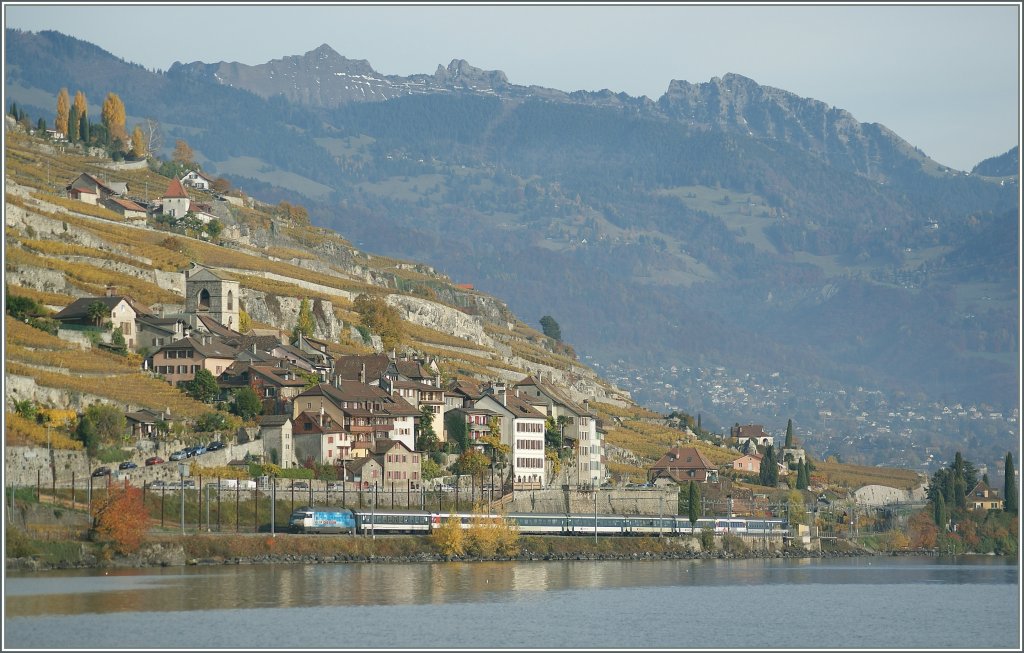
<point>284,586</point>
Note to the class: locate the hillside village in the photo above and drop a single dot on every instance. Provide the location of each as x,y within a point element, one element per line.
<point>371,416</point>
<point>187,318</point>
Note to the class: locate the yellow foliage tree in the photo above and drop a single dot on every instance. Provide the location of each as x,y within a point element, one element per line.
<point>140,147</point>
<point>81,104</point>
<point>449,538</point>
<point>113,117</point>
<point>183,153</point>
<point>63,109</point>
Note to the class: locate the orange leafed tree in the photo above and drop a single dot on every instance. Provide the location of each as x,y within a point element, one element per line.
<point>122,518</point>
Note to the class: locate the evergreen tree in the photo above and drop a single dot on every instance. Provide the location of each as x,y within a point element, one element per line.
<point>698,424</point>
<point>551,328</point>
<point>203,387</point>
<point>87,434</point>
<point>801,476</point>
<point>426,438</point>
<point>73,123</point>
<point>940,511</point>
<point>247,403</point>
<point>789,434</point>
<point>83,128</point>
<point>1009,486</point>
<point>769,473</point>
<point>695,501</point>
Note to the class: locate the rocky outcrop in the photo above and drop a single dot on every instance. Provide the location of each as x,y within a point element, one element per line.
<point>283,312</point>
<point>441,318</point>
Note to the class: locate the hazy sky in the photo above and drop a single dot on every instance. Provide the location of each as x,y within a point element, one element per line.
<point>944,77</point>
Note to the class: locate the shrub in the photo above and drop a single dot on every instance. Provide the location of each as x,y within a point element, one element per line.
<point>733,544</point>
<point>707,539</point>
<point>448,538</point>
<point>17,543</point>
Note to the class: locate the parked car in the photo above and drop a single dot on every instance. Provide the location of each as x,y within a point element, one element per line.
<point>101,471</point>
<point>157,485</point>
<point>300,485</point>
<point>179,455</point>
<point>197,450</point>
<point>154,460</point>
<point>335,487</point>
<point>215,446</point>
<point>127,465</point>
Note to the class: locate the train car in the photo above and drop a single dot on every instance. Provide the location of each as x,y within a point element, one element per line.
<point>322,520</point>
<point>393,521</point>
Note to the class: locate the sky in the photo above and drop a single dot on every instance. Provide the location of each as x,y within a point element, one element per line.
<point>945,77</point>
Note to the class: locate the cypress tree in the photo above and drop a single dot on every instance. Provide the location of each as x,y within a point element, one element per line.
<point>73,123</point>
<point>940,511</point>
<point>789,434</point>
<point>694,507</point>
<point>1009,486</point>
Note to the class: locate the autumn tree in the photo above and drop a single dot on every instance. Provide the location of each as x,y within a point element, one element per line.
<point>114,119</point>
<point>183,154</point>
<point>471,463</point>
<point>305,324</point>
<point>380,318</point>
<point>140,148</point>
<point>244,322</point>
<point>81,104</point>
<point>121,519</point>
<point>449,538</point>
<point>63,108</point>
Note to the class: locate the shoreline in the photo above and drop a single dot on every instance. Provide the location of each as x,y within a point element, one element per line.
<point>158,556</point>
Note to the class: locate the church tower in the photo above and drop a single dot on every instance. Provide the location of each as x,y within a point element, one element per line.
<point>208,294</point>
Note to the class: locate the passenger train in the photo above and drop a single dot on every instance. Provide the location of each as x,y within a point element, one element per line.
<point>421,522</point>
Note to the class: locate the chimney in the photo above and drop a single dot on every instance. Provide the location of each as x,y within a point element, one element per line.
<point>362,373</point>
<point>586,405</point>
<point>111,290</point>
<point>321,415</point>
<point>500,392</point>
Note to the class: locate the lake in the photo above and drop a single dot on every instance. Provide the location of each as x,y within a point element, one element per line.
<point>864,602</point>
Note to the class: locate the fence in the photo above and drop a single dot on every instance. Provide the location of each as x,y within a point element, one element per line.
<point>208,504</point>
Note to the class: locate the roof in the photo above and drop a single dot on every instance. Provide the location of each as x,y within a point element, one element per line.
<point>126,204</point>
<point>555,395</point>
<point>215,327</point>
<point>213,348</point>
<point>274,420</point>
<point>683,458</point>
<point>80,307</point>
<point>144,416</point>
<point>349,367</point>
<point>175,189</point>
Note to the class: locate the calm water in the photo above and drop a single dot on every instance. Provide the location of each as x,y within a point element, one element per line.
<point>848,603</point>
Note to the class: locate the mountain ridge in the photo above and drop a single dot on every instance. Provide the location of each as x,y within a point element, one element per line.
<point>595,207</point>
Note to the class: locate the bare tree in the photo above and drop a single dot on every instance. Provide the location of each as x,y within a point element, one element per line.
<point>154,136</point>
